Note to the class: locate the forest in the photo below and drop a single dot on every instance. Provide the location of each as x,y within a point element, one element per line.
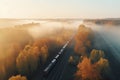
<point>22,54</point>
<point>26,50</point>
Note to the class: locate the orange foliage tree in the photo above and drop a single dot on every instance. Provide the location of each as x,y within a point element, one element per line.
<point>83,40</point>
<point>21,50</point>
<point>17,77</point>
<point>86,71</point>
<point>26,59</point>
<point>2,72</point>
<point>94,67</point>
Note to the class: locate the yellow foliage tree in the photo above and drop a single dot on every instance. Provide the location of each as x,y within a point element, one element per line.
<point>44,53</point>
<point>95,55</point>
<point>18,77</point>
<point>71,59</point>
<point>26,59</point>
<point>2,72</point>
<point>103,66</point>
<point>83,40</point>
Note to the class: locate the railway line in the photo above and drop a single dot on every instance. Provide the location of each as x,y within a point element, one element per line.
<point>55,68</point>
<point>53,62</point>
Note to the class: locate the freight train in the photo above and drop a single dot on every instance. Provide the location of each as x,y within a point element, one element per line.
<point>55,59</point>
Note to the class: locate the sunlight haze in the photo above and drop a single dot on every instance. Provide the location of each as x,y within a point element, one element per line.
<point>59,8</point>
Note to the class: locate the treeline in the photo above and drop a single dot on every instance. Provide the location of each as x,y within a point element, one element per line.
<point>21,54</point>
<point>28,25</point>
<point>109,22</point>
<point>92,64</point>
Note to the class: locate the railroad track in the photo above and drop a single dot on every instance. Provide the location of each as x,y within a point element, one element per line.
<point>56,58</point>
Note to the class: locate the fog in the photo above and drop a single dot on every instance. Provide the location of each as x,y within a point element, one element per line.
<point>47,28</point>
<point>10,34</point>
<point>111,35</point>
<point>26,38</point>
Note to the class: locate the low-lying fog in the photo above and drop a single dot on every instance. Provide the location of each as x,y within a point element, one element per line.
<point>18,34</point>
<point>45,27</point>
<point>111,34</point>
<point>41,37</point>
<point>5,23</point>
<point>50,27</point>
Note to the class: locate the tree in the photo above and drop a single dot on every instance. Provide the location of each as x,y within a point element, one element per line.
<point>96,67</point>
<point>103,66</point>
<point>44,53</point>
<point>2,72</point>
<point>83,40</point>
<point>17,77</point>
<point>86,71</point>
<point>26,59</point>
<point>71,59</point>
<point>95,55</point>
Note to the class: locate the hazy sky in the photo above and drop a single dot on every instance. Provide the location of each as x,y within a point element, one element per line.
<point>59,8</point>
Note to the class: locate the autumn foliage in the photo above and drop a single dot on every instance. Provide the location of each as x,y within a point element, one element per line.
<point>88,70</point>
<point>96,55</point>
<point>83,40</point>
<point>17,77</point>
<point>26,59</point>
<point>92,65</point>
<point>21,53</point>
<point>12,42</point>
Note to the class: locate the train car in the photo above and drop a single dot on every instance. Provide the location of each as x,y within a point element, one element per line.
<point>49,67</point>
<point>65,46</point>
<point>57,56</point>
<point>53,62</point>
<point>59,53</point>
<point>61,50</point>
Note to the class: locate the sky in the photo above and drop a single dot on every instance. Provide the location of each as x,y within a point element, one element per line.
<point>59,8</point>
